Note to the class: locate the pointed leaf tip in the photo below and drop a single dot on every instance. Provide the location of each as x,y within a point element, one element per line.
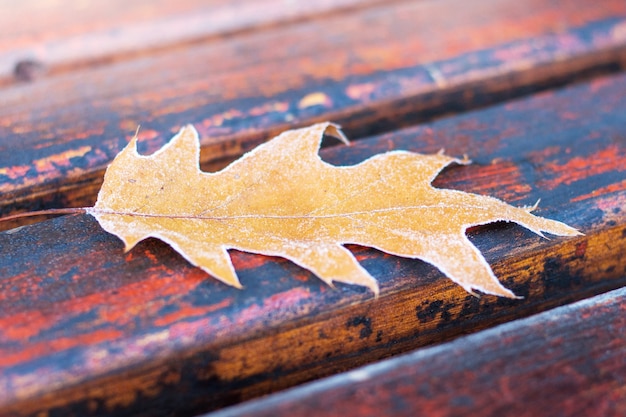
<point>132,144</point>
<point>187,135</point>
<point>335,131</point>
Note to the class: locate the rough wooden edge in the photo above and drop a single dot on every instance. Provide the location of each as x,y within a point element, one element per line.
<point>569,361</point>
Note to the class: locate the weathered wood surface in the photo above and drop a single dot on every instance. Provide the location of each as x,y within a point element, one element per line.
<point>570,361</point>
<point>373,69</point>
<point>88,330</point>
<point>60,37</point>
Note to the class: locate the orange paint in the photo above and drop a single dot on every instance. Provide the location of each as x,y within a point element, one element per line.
<point>145,134</point>
<point>47,167</point>
<point>579,168</point>
<point>186,312</point>
<point>23,326</point>
<point>61,159</point>
<point>611,188</point>
<point>145,297</point>
<point>242,260</point>
<point>360,92</point>
<point>140,299</point>
<point>501,177</point>
<point>14,172</point>
<point>47,347</point>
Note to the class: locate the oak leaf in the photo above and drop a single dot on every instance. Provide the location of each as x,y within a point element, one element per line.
<point>281,199</point>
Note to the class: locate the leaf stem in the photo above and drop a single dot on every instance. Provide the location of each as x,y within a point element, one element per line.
<point>49,212</point>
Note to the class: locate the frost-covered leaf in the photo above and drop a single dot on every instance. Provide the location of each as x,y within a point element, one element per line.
<point>281,199</point>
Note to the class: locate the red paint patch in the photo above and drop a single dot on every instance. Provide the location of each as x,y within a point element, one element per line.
<point>579,168</point>
<point>48,167</point>
<point>186,312</point>
<point>611,188</point>
<point>15,172</point>
<point>146,134</point>
<point>36,350</point>
<point>502,179</point>
<point>243,260</point>
<point>119,313</point>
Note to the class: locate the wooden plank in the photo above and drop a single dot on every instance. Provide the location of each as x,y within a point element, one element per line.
<point>407,62</point>
<point>570,361</point>
<point>62,37</point>
<point>87,330</point>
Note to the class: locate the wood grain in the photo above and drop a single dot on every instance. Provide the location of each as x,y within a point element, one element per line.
<point>374,69</point>
<point>570,361</point>
<point>88,330</point>
<point>77,34</point>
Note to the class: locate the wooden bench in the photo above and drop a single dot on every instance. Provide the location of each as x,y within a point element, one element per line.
<point>533,92</point>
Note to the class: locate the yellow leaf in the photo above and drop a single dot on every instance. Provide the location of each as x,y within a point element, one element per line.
<point>281,199</point>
